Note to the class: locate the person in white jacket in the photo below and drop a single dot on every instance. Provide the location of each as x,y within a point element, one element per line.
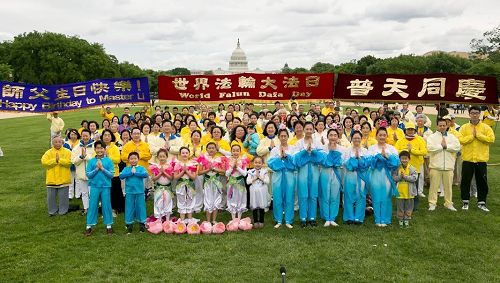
<point>80,155</point>
<point>443,148</point>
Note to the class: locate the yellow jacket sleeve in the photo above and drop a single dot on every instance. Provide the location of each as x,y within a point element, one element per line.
<point>486,135</point>
<point>48,159</point>
<point>144,152</point>
<point>466,135</point>
<point>65,157</point>
<point>419,147</point>
<point>114,155</point>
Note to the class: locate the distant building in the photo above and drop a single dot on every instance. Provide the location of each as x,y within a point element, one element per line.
<point>238,63</point>
<point>460,54</point>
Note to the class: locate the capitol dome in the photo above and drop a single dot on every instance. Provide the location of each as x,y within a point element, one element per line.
<point>238,61</point>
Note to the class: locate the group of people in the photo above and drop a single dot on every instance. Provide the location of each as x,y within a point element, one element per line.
<point>235,158</point>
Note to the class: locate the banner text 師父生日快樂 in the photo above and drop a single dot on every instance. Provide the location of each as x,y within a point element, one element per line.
<point>246,86</point>
<point>438,88</point>
<point>46,98</point>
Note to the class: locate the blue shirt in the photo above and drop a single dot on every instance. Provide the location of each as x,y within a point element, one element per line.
<point>134,182</point>
<point>100,178</point>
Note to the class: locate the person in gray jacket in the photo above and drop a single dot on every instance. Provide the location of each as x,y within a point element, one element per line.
<point>406,179</point>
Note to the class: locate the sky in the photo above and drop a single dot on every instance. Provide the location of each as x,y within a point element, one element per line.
<point>202,34</point>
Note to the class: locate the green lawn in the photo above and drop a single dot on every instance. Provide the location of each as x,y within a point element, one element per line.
<point>439,246</point>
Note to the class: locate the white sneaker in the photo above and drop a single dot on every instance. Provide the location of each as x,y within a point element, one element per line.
<point>333,223</point>
<point>383,225</point>
<point>465,206</point>
<point>327,223</point>
<point>451,207</point>
<point>483,208</point>
<point>432,207</point>
<point>277,225</point>
<point>289,226</point>
<point>421,195</point>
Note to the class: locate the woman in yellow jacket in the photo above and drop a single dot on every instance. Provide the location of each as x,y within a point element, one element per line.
<point>417,148</point>
<point>394,133</point>
<point>366,132</point>
<point>57,161</point>
<point>237,136</point>
<point>136,145</point>
<point>269,142</point>
<point>222,145</point>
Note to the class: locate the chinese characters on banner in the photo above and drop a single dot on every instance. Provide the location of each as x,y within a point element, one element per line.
<point>464,89</point>
<point>43,98</point>
<point>246,86</point>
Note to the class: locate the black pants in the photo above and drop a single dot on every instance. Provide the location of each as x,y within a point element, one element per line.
<point>470,169</point>
<point>117,199</point>
<point>258,215</point>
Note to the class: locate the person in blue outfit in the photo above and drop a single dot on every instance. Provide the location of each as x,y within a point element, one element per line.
<point>357,165</point>
<point>384,159</point>
<point>100,171</point>
<point>307,159</point>
<point>135,202</point>
<point>283,180</point>
<point>330,179</point>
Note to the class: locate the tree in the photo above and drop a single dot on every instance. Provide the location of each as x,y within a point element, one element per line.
<point>488,46</point>
<point>179,72</point>
<point>364,63</point>
<point>5,72</point>
<point>129,70</point>
<point>320,67</point>
<point>347,68</point>
<point>51,58</point>
<point>402,64</point>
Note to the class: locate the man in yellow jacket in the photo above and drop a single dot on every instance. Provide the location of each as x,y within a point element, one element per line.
<point>137,145</point>
<point>443,147</point>
<point>106,113</point>
<point>476,138</point>
<point>57,161</point>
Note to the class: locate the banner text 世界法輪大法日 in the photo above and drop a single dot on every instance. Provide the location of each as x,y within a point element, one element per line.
<point>246,86</point>
<point>46,98</point>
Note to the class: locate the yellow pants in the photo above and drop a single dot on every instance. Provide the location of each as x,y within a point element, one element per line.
<point>436,177</point>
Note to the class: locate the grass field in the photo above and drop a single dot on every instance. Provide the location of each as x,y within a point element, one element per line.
<point>439,246</point>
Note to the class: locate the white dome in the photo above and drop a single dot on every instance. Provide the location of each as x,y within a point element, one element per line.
<point>238,61</point>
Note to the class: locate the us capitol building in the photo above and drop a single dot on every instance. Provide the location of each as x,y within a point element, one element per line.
<point>238,63</point>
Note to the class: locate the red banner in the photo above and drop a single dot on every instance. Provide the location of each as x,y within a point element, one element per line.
<point>246,86</point>
<point>463,89</point>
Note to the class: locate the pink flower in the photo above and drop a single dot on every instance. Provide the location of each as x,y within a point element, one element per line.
<point>245,224</point>
<point>193,228</point>
<point>219,228</point>
<point>155,227</point>
<point>244,162</point>
<point>154,169</point>
<point>233,225</point>
<point>206,227</point>
<point>168,227</point>
<point>180,228</point>
<point>203,161</point>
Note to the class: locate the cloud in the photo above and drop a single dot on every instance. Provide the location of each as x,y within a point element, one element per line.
<point>404,11</point>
